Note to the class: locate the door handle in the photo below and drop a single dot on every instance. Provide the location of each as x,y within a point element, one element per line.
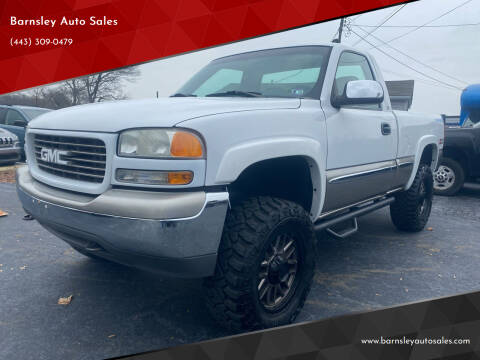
<point>386,129</point>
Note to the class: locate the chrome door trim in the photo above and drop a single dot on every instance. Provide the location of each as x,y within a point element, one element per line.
<point>343,174</point>
<point>350,206</point>
<point>373,180</point>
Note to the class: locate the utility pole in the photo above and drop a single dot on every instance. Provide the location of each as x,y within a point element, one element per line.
<point>340,31</point>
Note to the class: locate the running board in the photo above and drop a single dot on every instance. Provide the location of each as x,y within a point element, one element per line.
<point>322,225</point>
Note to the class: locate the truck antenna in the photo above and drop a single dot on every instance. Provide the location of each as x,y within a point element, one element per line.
<point>340,31</point>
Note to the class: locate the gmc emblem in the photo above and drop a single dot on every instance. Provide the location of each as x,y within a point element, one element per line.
<point>53,156</point>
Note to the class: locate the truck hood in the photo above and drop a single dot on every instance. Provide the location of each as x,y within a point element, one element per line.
<point>116,116</point>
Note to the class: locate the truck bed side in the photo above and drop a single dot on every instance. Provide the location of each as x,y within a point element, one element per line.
<point>416,132</point>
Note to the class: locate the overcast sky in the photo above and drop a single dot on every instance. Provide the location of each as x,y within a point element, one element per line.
<point>455,51</point>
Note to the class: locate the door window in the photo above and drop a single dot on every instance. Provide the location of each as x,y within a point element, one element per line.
<point>14,118</point>
<point>352,66</point>
<point>3,112</point>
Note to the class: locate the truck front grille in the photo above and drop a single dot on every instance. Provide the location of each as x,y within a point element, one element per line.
<point>6,142</point>
<point>78,158</point>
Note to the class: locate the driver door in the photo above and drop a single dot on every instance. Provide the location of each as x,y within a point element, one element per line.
<point>362,142</point>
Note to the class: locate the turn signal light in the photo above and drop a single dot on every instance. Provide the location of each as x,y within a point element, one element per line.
<point>180,177</point>
<point>154,177</point>
<point>185,144</point>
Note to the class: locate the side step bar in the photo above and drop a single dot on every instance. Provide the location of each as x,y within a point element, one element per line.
<point>322,225</point>
<point>345,233</point>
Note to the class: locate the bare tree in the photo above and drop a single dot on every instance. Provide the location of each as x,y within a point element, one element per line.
<point>108,85</point>
<point>75,88</point>
<point>55,97</point>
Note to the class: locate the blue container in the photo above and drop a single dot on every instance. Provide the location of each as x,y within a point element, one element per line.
<point>470,101</point>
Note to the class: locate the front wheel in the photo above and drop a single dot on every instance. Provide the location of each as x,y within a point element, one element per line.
<point>449,178</point>
<point>411,209</point>
<point>265,265</point>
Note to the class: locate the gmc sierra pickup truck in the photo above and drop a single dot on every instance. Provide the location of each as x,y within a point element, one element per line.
<point>230,177</point>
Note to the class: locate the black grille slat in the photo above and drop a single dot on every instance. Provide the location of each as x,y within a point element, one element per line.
<point>48,142</point>
<point>73,167</point>
<point>69,171</point>
<point>86,158</point>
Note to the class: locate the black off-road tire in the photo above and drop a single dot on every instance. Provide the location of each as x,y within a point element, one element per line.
<point>232,294</point>
<point>459,177</point>
<point>411,209</point>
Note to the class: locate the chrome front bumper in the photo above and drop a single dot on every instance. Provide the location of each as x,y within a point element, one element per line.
<point>174,233</point>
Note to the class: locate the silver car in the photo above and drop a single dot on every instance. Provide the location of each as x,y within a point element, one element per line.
<point>10,150</point>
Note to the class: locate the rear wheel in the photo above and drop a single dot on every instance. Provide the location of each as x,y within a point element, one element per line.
<point>449,178</point>
<point>265,265</point>
<point>411,209</point>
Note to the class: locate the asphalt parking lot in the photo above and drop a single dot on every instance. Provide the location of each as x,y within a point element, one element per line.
<point>117,311</point>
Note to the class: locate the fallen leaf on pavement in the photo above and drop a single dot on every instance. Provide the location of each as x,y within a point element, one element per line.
<point>3,213</point>
<point>429,229</point>
<point>65,300</point>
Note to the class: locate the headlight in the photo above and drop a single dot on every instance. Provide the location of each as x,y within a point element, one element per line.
<point>159,143</point>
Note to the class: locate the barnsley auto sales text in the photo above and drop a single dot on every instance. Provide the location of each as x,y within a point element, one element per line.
<point>64,21</point>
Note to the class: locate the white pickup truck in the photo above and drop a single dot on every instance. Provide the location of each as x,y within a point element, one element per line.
<point>230,178</point>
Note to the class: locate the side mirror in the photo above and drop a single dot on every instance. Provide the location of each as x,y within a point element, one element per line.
<point>360,92</point>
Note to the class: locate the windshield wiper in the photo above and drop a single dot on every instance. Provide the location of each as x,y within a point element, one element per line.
<point>236,93</point>
<point>183,95</point>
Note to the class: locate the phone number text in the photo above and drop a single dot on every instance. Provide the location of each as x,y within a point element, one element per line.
<point>27,41</point>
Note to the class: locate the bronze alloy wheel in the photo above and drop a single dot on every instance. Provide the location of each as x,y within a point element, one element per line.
<point>278,270</point>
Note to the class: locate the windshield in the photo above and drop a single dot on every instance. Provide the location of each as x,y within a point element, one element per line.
<point>295,72</point>
<point>33,113</point>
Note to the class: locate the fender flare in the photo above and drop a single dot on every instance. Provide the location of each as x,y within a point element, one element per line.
<point>239,157</point>
<point>421,145</point>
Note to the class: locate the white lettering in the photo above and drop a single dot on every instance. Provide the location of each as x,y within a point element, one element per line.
<point>14,21</point>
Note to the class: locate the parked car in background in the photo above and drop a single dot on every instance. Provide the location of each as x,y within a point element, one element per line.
<point>461,159</point>
<point>461,152</point>
<point>10,150</point>
<point>15,118</point>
